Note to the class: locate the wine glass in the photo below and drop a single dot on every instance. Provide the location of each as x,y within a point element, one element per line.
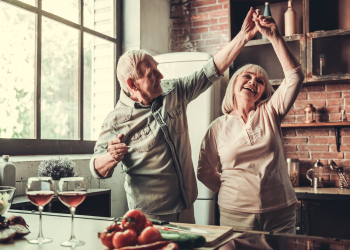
<point>7,194</point>
<point>40,191</point>
<point>72,192</point>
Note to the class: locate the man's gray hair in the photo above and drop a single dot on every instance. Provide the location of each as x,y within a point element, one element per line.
<point>129,67</point>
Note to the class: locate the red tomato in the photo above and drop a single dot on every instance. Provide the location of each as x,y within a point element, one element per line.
<point>134,220</point>
<point>107,235</point>
<point>124,239</point>
<point>149,235</point>
<point>148,223</point>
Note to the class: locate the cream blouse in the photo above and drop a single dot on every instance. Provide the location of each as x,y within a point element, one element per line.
<point>254,176</point>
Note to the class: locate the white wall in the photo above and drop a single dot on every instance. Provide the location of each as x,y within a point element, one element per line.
<point>146,25</point>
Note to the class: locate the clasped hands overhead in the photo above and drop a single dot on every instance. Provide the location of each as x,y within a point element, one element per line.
<point>254,23</point>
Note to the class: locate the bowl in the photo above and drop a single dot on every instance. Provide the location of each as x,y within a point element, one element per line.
<point>7,194</point>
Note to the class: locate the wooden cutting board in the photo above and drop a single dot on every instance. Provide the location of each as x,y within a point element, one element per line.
<point>219,233</point>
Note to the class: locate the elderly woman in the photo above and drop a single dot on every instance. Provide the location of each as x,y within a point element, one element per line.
<point>246,143</point>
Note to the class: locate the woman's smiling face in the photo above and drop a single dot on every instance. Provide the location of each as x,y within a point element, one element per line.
<point>249,87</point>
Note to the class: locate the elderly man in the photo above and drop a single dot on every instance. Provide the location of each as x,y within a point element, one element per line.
<point>147,131</point>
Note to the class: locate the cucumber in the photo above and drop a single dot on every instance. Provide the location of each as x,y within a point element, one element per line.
<point>185,241</point>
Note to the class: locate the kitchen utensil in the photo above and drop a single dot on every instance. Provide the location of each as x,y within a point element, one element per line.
<point>177,227</point>
<point>316,167</point>
<point>340,172</point>
<point>7,172</point>
<point>318,182</point>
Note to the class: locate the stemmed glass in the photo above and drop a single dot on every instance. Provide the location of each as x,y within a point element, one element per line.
<point>72,192</point>
<point>40,191</point>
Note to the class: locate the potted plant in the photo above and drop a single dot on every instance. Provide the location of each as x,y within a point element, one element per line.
<point>56,168</point>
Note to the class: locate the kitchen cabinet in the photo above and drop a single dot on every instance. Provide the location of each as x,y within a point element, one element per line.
<point>323,212</point>
<point>328,33</point>
<point>323,29</point>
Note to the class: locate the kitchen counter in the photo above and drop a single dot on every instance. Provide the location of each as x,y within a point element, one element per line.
<point>57,227</point>
<point>327,193</point>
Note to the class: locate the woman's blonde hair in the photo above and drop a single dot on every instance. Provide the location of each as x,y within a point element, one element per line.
<point>129,67</point>
<point>228,104</point>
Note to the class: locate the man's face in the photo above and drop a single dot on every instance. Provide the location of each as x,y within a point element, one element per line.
<point>149,84</point>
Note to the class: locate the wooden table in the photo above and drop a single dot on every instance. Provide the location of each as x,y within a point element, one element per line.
<point>57,227</point>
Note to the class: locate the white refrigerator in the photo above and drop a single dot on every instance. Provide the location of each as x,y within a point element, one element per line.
<point>200,113</point>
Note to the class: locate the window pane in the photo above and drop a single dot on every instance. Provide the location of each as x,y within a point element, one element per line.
<point>100,16</point>
<point>99,83</point>
<point>67,9</point>
<point>17,61</point>
<point>59,81</point>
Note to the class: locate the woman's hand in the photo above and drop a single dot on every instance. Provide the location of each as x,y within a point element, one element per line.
<point>249,28</point>
<point>267,26</point>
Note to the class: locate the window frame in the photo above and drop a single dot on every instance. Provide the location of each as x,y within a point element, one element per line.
<point>38,146</point>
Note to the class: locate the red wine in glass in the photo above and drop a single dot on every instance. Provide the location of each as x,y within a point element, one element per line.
<point>40,191</point>
<point>72,192</point>
<point>40,198</point>
<point>72,198</point>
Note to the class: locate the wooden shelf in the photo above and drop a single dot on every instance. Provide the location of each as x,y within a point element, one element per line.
<point>315,124</point>
<point>322,33</point>
<point>335,44</point>
<point>296,37</point>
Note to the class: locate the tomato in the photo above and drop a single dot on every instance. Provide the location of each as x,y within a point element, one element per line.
<point>107,235</point>
<point>123,239</point>
<point>149,235</point>
<point>134,220</point>
<point>148,223</point>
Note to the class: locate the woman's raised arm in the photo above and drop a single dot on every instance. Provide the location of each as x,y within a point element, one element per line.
<point>228,54</point>
<point>268,27</point>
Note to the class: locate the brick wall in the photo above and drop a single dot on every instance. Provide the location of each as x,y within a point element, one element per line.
<point>199,25</point>
<point>310,144</point>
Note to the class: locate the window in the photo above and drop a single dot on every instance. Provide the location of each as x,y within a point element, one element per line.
<point>57,74</point>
